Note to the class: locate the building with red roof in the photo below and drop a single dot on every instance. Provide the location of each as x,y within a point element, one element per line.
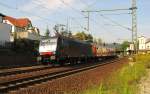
<point>20,27</point>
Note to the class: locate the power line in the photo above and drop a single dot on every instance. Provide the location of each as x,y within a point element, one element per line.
<point>107,18</point>
<point>43,18</point>
<point>78,23</point>
<point>107,10</point>
<point>117,13</point>
<point>71,7</point>
<point>88,5</point>
<point>69,16</point>
<point>78,11</point>
<point>105,29</point>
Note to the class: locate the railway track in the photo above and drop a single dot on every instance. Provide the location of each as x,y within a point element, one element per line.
<point>25,82</point>
<point>14,71</point>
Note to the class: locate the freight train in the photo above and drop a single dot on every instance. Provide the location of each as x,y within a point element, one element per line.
<point>61,50</point>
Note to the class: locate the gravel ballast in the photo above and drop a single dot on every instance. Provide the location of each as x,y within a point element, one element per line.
<point>76,83</point>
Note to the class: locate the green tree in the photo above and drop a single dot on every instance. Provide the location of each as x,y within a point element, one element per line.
<point>124,45</point>
<point>97,41</point>
<point>89,37</point>
<point>47,33</point>
<point>84,36</point>
<point>65,33</point>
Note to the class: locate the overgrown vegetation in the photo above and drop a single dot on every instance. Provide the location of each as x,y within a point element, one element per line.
<point>125,80</point>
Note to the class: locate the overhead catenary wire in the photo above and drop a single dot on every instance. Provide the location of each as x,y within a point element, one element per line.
<point>78,11</point>
<point>69,16</point>
<point>43,18</point>
<point>117,13</point>
<point>107,18</point>
<point>88,5</point>
<point>103,27</point>
<point>46,20</point>
<point>73,18</point>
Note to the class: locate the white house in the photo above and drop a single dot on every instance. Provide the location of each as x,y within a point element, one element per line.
<point>148,45</point>
<point>18,25</point>
<point>5,33</point>
<point>142,43</point>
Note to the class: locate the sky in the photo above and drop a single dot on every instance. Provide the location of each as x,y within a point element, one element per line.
<point>104,25</point>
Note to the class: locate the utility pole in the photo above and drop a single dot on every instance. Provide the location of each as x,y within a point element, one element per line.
<point>88,20</point>
<point>68,26</point>
<point>88,25</point>
<point>134,26</point>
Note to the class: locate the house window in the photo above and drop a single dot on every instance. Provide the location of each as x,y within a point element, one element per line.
<point>147,47</point>
<point>5,21</point>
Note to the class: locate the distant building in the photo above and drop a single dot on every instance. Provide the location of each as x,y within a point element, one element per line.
<point>142,43</point>
<point>131,46</point>
<point>20,27</point>
<point>148,44</point>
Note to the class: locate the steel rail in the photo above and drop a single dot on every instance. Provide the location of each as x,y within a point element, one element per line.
<point>22,83</point>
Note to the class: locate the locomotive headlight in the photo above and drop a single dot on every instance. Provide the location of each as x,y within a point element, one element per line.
<point>53,57</point>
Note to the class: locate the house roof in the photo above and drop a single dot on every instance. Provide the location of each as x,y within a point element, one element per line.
<point>21,22</point>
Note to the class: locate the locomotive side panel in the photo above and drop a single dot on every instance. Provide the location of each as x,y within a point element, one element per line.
<point>73,48</point>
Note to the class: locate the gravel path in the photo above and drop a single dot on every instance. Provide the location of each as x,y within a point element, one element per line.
<point>145,84</point>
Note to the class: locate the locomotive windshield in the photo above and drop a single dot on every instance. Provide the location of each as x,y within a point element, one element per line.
<point>52,41</point>
<point>48,45</point>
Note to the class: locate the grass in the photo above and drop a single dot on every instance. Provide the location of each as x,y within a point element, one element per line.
<point>125,80</point>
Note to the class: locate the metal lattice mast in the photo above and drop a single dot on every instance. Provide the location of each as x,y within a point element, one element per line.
<point>134,26</point>
<point>88,21</point>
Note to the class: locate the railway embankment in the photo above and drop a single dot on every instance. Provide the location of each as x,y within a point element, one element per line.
<point>127,80</point>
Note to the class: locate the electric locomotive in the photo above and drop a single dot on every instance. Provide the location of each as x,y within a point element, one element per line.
<point>61,50</point>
